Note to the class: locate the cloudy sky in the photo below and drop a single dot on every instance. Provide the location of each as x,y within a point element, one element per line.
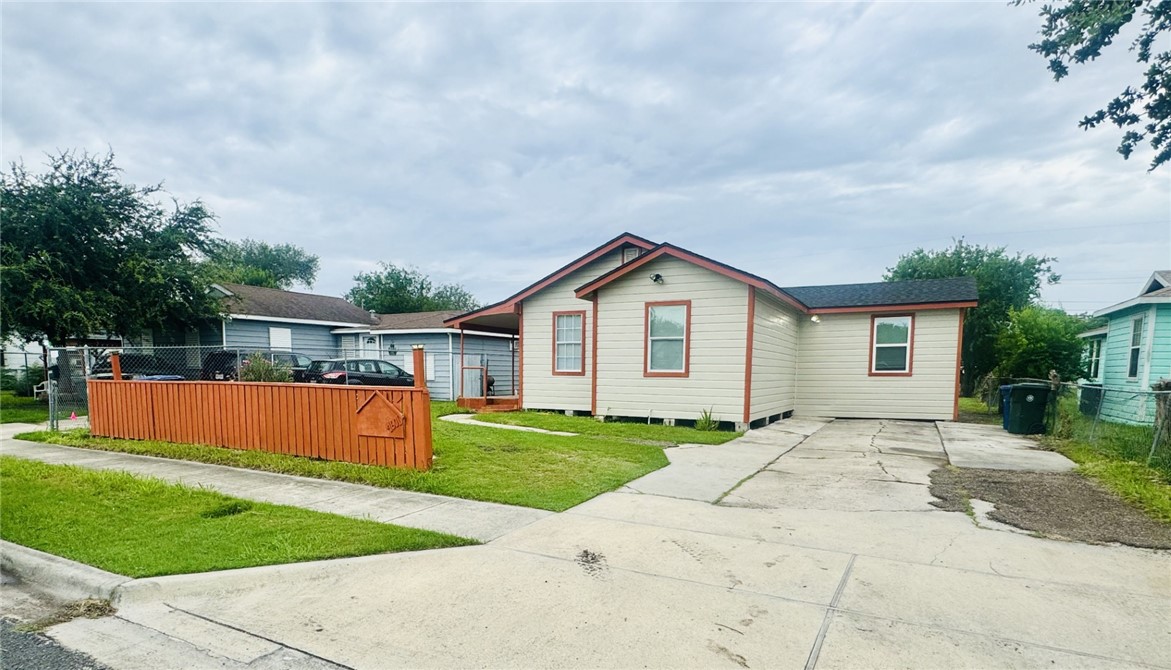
<point>488,144</point>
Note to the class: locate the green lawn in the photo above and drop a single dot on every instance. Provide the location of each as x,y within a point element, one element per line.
<point>585,425</point>
<point>15,409</point>
<point>476,462</point>
<point>143,527</point>
<point>22,410</point>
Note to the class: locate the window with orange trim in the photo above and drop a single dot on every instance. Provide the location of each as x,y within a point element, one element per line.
<point>890,345</point>
<point>668,338</point>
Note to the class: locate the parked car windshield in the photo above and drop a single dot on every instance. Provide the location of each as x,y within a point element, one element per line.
<point>322,366</point>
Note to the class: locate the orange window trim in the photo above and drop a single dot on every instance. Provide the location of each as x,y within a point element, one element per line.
<point>910,347</point>
<point>553,335</point>
<point>646,339</point>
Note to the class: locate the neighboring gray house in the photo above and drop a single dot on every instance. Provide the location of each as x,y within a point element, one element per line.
<point>321,326</point>
<point>267,318</point>
<point>392,338</point>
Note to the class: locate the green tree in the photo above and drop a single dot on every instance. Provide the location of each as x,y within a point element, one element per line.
<point>1005,283</point>
<point>258,263</point>
<point>84,253</point>
<point>1039,339</point>
<point>1076,31</point>
<point>395,290</point>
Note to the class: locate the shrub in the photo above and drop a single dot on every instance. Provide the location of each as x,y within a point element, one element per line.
<point>706,421</point>
<point>258,368</point>
<point>22,382</point>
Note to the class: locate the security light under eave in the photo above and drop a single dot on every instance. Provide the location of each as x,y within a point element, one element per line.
<point>657,278</point>
<point>815,318</point>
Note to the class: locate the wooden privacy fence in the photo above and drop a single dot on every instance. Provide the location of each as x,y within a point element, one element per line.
<point>370,425</point>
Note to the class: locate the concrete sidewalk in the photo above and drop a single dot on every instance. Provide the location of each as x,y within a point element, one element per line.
<point>483,521</point>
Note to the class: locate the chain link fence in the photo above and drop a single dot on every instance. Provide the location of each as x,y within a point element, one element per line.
<point>1128,423</point>
<point>70,368</point>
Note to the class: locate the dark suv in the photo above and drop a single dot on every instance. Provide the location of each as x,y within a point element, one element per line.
<point>355,371</point>
<point>222,365</point>
<point>135,366</point>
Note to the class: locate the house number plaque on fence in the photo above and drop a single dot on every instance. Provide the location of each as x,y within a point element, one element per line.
<point>379,416</point>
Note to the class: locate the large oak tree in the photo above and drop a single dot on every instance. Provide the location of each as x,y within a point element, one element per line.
<point>1077,31</point>
<point>84,253</point>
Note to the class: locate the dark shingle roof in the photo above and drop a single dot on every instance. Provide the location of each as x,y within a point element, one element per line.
<point>258,301</point>
<point>911,292</point>
<point>412,320</point>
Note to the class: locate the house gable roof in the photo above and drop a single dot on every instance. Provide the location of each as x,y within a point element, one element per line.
<point>508,305</point>
<point>256,301</point>
<point>673,251</point>
<point>1156,290</point>
<point>919,293</point>
<point>1160,279</point>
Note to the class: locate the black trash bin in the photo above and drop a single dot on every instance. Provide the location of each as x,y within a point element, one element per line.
<point>1025,413</point>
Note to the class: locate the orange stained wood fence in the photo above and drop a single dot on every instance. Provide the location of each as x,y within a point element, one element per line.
<point>388,426</point>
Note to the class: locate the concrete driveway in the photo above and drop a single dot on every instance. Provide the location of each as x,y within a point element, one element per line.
<point>828,556</point>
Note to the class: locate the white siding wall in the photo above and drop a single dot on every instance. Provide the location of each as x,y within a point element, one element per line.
<point>774,358</point>
<point>833,362</point>
<point>543,389</point>
<point>719,315</point>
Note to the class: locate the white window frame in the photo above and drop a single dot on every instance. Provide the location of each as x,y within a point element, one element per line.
<point>1094,356</point>
<point>574,337</point>
<point>630,253</point>
<point>909,345</point>
<point>1134,353</point>
<point>277,337</point>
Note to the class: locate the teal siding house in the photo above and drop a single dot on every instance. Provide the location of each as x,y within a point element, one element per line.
<point>1132,352</point>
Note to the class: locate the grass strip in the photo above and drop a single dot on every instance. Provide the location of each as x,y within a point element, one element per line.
<point>584,425</point>
<point>143,527</point>
<point>474,462</point>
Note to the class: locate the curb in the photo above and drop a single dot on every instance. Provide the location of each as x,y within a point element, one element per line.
<point>59,577</point>
<point>68,580</point>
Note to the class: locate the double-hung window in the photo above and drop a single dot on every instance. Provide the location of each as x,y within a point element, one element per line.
<point>1136,345</point>
<point>668,339</point>
<point>569,343</point>
<point>891,344</point>
<point>1094,356</point>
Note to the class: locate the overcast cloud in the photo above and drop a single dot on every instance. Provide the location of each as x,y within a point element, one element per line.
<point>489,144</point>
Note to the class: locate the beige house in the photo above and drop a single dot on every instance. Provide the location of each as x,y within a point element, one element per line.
<point>645,330</point>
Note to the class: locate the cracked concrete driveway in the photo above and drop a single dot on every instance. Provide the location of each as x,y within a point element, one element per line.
<point>827,555</point>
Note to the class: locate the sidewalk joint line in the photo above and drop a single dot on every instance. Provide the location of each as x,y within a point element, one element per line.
<point>829,613</point>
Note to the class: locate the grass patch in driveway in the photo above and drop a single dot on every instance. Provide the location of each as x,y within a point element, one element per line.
<point>585,425</point>
<point>142,527</point>
<point>476,462</point>
<point>973,410</point>
<point>1060,504</point>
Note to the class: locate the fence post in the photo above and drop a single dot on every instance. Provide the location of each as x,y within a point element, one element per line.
<point>52,403</point>
<point>420,363</point>
<point>1098,414</point>
<point>116,366</point>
